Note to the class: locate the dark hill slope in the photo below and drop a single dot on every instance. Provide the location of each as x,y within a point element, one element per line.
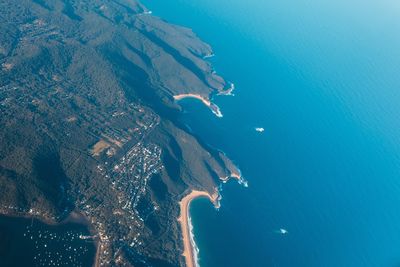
<point>88,122</point>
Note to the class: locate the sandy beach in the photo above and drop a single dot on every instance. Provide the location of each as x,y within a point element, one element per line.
<point>213,107</point>
<point>184,219</point>
<point>234,174</point>
<point>199,97</point>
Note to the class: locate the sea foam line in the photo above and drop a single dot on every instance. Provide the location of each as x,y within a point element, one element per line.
<point>195,248</point>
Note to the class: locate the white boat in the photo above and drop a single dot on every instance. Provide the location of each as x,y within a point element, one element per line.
<point>260,129</point>
<point>283,231</point>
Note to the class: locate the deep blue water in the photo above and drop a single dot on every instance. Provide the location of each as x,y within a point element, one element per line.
<point>323,79</point>
<point>29,242</point>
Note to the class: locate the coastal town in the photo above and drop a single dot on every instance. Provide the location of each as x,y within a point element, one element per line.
<point>126,162</point>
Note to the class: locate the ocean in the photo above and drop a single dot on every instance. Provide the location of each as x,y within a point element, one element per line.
<point>322,78</point>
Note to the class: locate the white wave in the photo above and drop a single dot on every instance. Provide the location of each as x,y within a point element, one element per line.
<point>243,182</point>
<point>209,56</point>
<point>195,248</point>
<point>228,91</point>
<point>216,110</point>
<point>217,203</point>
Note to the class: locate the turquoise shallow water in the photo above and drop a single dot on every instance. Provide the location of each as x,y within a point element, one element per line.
<point>323,79</point>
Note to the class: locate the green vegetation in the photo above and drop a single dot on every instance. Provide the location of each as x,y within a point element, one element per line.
<point>88,122</point>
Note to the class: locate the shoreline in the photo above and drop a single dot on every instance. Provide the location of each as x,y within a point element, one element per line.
<point>214,108</point>
<point>228,91</point>
<point>235,174</point>
<point>189,247</point>
<point>74,217</point>
<point>199,97</point>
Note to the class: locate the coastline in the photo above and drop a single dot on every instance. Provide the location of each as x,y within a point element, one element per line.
<point>228,91</point>
<point>235,173</point>
<point>199,97</point>
<point>189,247</point>
<point>154,32</point>
<point>74,216</point>
<point>213,107</point>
